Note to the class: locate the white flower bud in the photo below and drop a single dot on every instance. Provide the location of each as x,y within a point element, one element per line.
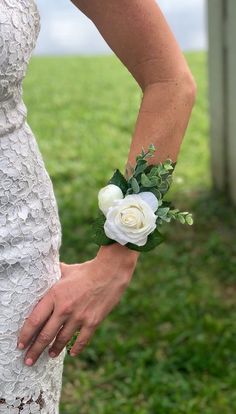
<point>107,195</point>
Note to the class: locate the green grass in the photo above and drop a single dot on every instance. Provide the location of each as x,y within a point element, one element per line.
<point>169,347</point>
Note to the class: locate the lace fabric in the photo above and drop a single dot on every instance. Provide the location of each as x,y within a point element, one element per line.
<point>30,229</point>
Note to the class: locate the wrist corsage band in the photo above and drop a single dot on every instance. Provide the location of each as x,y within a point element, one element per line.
<point>132,210</point>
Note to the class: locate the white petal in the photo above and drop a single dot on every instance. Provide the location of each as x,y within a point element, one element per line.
<point>150,199</point>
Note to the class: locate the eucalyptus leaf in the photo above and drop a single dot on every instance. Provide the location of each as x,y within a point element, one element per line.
<point>152,147</point>
<point>167,219</point>
<point>189,219</point>
<point>153,172</point>
<point>129,191</point>
<point>164,187</point>
<point>159,221</point>
<point>145,180</point>
<point>174,211</point>
<point>149,168</point>
<point>168,164</point>
<point>156,192</point>
<point>168,161</point>
<point>161,212</point>
<point>181,218</point>
<point>134,185</point>
<point>168,167</point>
<point>140,168</point>
<point>155,180</point>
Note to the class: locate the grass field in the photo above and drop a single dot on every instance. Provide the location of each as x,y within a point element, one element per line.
<point>169,347</point>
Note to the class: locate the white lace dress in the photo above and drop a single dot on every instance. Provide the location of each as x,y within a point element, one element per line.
<point>30,229</point>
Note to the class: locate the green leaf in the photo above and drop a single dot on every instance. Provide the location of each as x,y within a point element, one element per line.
<point>167,219</point>
<point>164,187</point>
<point>159,221</point>
<point>154,239</point>
<point>141,161</point>
<point>129,191</point>
<point>168,167</point>
<point>168,164</point>
<point>181,218</point>
<point>168,161</point>
<point>138,157</point>
<point>174,165</point>
<point>141,166</point>
<point>156,192</point>
<point>162,212</point>
<point>119,180</point>
<point>153,172</point>
<point>98,235</point>
<point>150,166</point>
<point>135,185</point>
<point>155,180</point>
<point>145,180</point>
<point>151,148</point>
<point>189,219</point>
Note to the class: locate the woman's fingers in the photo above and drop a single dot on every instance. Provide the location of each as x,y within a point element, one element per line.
<point>44,338</point>
<point>35,320</point>
<point>82,339</point>
<point>63,337</point>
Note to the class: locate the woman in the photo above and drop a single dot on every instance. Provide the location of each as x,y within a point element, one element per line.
<point>44,302</point>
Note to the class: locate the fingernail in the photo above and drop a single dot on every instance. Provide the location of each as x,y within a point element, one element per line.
<point>20,345</point>
<point>72,354</point>
<point>52,354</point>
<point>29,361</point>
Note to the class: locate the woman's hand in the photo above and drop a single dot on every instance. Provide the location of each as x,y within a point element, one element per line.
<point>82,298</point>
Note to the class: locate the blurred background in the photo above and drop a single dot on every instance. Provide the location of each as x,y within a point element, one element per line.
<point>169,347</point>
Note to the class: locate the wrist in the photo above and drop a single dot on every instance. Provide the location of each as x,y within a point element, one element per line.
<point>118,253</point>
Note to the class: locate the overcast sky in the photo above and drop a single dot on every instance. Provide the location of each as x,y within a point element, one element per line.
<point>66,30</point>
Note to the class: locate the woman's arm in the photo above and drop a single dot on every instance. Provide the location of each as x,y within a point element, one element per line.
<point>139,35</point>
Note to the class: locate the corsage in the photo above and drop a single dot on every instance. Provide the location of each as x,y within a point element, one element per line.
<point>132,209</point>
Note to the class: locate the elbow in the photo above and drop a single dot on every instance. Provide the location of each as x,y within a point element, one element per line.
<point>189,88</point>
<point>180,89</point>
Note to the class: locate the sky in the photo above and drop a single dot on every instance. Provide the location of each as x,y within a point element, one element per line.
<point>66,30</point>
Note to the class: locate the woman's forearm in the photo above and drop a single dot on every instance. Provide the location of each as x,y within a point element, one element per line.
<point>140,36</point>
<point>163,118</point>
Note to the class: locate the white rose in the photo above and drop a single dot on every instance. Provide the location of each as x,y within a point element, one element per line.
<point>132,218</point>
<point>107,195</point>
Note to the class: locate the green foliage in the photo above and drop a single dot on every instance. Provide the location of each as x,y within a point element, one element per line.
<point>183,217</point>
<point>119,180</point>
<point>135,185</point>
<point>156,178</point>
<point>152,177</point>
<point>98,235</point>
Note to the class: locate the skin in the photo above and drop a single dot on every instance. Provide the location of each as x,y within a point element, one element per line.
<point>139,35</point>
